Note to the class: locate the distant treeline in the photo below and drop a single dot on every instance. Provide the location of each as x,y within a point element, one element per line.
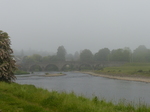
<point>140,54</point>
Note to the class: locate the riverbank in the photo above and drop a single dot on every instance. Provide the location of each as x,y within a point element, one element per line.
<point>122,77</point>
<point>28,98</point>
<point>129,71</point>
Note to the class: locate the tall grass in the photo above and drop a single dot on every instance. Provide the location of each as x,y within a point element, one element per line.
<point>28,98</point>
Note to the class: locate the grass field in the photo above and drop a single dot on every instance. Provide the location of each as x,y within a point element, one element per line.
<point>27,98</point>
<point>141,69</point>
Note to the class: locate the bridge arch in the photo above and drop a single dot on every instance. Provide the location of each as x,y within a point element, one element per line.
<point>67,66</point>
<point>51,67</point>
<point>35,67</point>
<point>85,66</point>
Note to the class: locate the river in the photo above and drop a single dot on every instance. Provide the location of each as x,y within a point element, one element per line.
<point>90,86</point>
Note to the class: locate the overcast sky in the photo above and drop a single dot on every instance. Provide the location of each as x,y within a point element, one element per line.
<point>76,24</point>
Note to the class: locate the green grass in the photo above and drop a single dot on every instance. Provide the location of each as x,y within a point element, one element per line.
<point>28,98</point>
<point>141,69</point>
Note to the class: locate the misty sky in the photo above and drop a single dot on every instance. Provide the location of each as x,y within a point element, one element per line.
<point>76,24</point>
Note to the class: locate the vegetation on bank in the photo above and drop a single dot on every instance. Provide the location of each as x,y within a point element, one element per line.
<point>20,72</point>
<point>28,98</point>
<point>129,69</point>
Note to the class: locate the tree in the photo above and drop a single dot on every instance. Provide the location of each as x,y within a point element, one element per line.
<point>61,53</point>
<point>7,62</point>
<point>140,54</point>
<point>69,57</point>
<point>46,58</point>
<point>102,55</point>
<point>120,55</point>
<point>76,56</point>
<point>86,55</point>
<point>27,59</point>
<point>36,57</point>
<point>54,58</point>
<point>148,55</point>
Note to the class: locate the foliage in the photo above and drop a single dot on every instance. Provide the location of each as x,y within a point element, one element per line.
<point>69,57</point>
<point>76,56</point>
<point>27,59</point>
<point>7,63</point>
<point>120,55</point>
<point>33,58</point>
<point>53,58</point>
<point>86,55</point>
<point>141,54</point>
<point>102,55</point>
<point>27,98</point>
<point>19,72</point>
<point>37,57</point>
<point>46,58</point>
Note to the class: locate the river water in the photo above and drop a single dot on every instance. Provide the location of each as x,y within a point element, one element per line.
<point>89,86</point>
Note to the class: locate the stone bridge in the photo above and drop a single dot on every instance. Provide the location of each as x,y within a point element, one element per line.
<point>60,65</point>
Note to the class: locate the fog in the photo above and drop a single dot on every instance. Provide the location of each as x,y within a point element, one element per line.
<point>76,24</point>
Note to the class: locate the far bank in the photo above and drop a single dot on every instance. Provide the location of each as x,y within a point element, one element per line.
<point>129,71</point>
<point>121,77</point>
